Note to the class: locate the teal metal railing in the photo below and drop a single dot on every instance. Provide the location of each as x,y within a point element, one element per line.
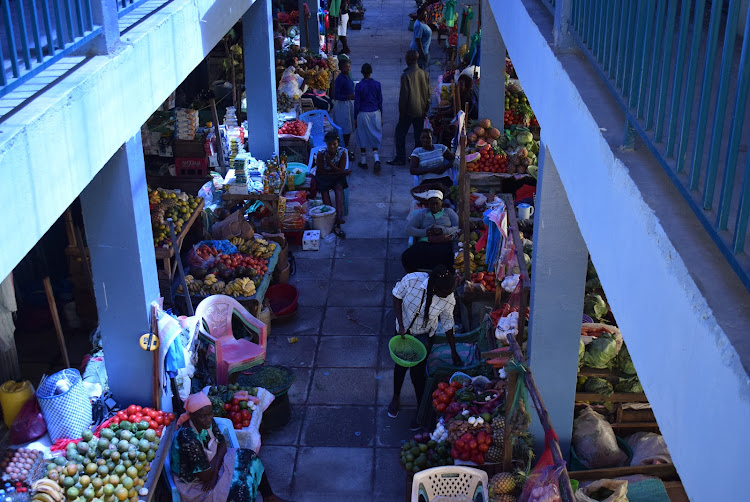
<point>36,33</point>
<point>681,73</point>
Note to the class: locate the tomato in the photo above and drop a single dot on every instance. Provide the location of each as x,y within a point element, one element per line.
<point>444,398</point>
<point>115,420</point>
<point>456,385</point>
<point>158,433</point>
<point>450,391</point>
<point>245,423</point>
<point>235,401</point>
<point>159,419</point>
<point>227,406</point>
<point>245,414</point>
<point>132,409</point>
<point>235,408</point>
<point>170,415</point>
<point>132,419</point>
<point>138,409</point>
<point>441,407</point>
<point>153,424</point>
<point>122,414</point>
<point>442,386</point>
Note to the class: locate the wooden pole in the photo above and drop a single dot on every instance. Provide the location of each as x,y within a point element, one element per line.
<point>56,318</point>
<point>464,193</point>
<point>220,154</point>
<point>156,388</point>
<point>510,396</point>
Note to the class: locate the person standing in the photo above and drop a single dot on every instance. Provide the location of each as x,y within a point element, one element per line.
<point>368,116</point>
<point>343,21</point>
<point>420,301</point>
<point>422,39</point>
<point>413,104</point>
<point>343,101</point>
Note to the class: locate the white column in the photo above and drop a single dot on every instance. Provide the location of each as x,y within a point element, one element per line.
<point>558,282</point>
<point>491,94</point>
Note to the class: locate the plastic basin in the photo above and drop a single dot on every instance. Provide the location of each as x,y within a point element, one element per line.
<point>283,299</point>
<point>299,177</point>
<point>407,343</point>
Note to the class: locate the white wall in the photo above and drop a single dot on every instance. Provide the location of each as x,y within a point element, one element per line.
<point>52,149</point>
<point>690,372</point>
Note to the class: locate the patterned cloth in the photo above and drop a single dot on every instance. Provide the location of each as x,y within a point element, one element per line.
<point>326,178</point>
<point>188,451</point>
<point>430,158</point>
<point>412,291</point>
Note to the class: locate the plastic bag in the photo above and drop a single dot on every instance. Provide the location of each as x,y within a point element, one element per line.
<point>543,485</point>
<point>29,424</point>
<point>619,487</point>
<point>595,442</point>
<point>648,448</point>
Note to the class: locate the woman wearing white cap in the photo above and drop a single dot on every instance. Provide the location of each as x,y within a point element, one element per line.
<point>433,229</point>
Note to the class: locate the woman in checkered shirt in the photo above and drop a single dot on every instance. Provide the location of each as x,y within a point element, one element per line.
<point>420,301</point>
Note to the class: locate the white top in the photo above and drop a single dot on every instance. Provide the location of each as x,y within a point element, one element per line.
<point>412,290</point>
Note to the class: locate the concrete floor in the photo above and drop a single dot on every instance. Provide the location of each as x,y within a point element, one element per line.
<point>340,444</point>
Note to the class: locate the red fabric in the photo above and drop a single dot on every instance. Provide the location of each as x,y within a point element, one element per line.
<point>546,459</point>
<point>482,242</point>
<point>525,192</point>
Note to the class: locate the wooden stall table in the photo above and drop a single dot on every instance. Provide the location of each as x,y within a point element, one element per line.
<point>269,200</point>
<point>297,145</point>
<point>166,254</point>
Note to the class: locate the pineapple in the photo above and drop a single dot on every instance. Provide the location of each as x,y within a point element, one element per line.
<point>505,497</point>
<point>502,483</point>
<point>498,431</point>
<point>494,453</point>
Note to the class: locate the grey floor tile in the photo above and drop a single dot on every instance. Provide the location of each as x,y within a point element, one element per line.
<point>385,389</point>
<point>396,246</point>
<point>313,268</point>
<point>306,321</point>
<point>298,391</point>
<point>360,248</point>
<point>356,294</point>
<point>282,351</point>
<point>278,462</point>
<point>390,478</point>
<point>352,321</point>
<point>393,432</point>
<point>367,228</point>
<point>352,269</point>
<point>348,352</point>
<point>312,293</point>
<point>394,270</point>
<point>331,386</point>
<point>326,251</point>
<point>333,474</point>
<point>350,426</point>
<point>288,435</point>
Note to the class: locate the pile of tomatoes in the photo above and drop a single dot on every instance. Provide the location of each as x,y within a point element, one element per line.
<point>294,127</point>
<point>237,260</point>
<point>486,279</point>
<point>239,413</point>
<point>156,419</point>
<point>513,118</point>
<point>443,395</point>
<point>472,448</point>
<point>489,162</point>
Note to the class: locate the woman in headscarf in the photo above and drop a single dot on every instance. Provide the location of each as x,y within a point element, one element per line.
<point>205,468</point>
<point>433,229</point>
<point>343,101</point>
<point>368,116</point>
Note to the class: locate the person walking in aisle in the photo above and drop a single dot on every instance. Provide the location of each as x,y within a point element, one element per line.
<point>343,101</point>
<point>422,39</point>
<point>343,23</point>
<point>413,104</point>
<point>368,116</point>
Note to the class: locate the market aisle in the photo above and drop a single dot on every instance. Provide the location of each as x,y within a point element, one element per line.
<point>340,444</point>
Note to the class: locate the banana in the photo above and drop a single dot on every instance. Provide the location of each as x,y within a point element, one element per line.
<point>47,497</point>
<point>55,493</point>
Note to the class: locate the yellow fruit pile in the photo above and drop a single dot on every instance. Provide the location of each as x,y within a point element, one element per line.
<point>317,78</point>
<point>169,204</point>
<point>240,287</point>
<point>259,248</point>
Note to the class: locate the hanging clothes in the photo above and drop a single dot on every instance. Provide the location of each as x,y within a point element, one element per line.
<point>465,26</point>
<point>8,358</point>
<point>449,13</point>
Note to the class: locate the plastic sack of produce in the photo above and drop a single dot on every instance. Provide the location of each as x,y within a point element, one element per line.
<point>648,448</point>
<point>600,353</point>
<point>29,424</point>
<point>65,404</point>
<point>543,484</point>
<point>604,490</point>
<point>595,442</point>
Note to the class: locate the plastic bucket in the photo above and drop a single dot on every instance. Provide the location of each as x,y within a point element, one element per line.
<point>323,220</point>
<point>264,316</point>
<point>283,299</point>
<point>13,395</point>
<point>299,170</point>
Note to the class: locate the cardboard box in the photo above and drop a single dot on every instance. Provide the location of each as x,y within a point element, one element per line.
<point>187,148</point>
<point>311,240</point>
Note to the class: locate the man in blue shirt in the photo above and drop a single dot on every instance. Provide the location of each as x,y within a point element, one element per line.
<point>422,39</point>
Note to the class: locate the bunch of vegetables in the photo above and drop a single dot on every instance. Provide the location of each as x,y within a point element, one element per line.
<point>143,417</point>
<point>293,127</point>
<point>470,447</point>
<point>484,280</point>
<point>235,403</point>
<point>487,160</point>
<point>423,453</point>
<point>443,395</point>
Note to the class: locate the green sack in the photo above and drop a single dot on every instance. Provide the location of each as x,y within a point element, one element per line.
<point>440,357</point>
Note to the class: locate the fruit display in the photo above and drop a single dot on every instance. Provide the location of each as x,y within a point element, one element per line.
<point>422,453</point>
<point>283,102</point>
<point>21,465</point>
<point>170,204</point>
<point>317,78</point>
<point>113,466</point>
<point>446,96</point>
<point>476,263</point>
<point>485,281</point>
<point>235,402</point>
<point>294,128</point>
<point>502,486</point>
<point>517,108</point>
<point>490,160</point>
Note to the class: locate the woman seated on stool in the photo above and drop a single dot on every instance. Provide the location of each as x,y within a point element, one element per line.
<point>430,162</point>
<point>331,174</point>
<point>433,229</point>
<point>205,469</point>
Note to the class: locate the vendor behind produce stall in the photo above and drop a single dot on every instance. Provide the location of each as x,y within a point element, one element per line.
<point>420,301</point>
<point>205,469</point>
<point>430,161</point>
<point>434,228</point>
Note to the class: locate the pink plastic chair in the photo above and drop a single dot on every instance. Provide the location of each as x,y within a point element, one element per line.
<point>232,354</point>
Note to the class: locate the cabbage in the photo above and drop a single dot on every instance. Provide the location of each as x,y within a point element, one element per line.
<point>600,353</point>
<point>632,384</point>
<point>594,306</point>
<point>524,138</point>
<point>624,363</point>
<point>598,386</point>
<point>581,352</point>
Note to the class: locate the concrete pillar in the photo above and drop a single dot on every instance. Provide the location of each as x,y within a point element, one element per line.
<point>492,95</point>
<point>560,36</point>
<point>118,231</point>
<point>558,282</point>
<point>310,26</point>
<point>104,13</point>
<point>260,80</point>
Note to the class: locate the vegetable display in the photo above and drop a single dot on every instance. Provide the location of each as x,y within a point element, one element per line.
<point>294,127</point>
<point>237,403</point>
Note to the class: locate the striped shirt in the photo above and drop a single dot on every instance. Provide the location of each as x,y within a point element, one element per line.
<point>430,158</point>
<point>412,291</point>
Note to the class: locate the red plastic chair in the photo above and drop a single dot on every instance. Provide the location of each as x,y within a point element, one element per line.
<point>232,354</point>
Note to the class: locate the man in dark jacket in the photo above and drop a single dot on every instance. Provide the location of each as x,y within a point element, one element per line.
<point>413,104</point>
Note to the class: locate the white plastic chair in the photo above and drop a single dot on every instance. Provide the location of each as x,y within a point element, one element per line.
<point>450,483</point>
<point>225,427</point>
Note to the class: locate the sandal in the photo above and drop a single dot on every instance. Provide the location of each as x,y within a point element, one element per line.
<point>338,232</point>
<point>351,156</point>
<point>376,167</point>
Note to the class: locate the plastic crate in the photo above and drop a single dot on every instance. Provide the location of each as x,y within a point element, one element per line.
<point>191,166</point>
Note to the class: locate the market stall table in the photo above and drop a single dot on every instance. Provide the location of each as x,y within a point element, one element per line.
<point>269,200</point>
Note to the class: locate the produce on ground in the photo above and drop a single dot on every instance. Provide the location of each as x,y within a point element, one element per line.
<point>235,402</point>
<point>169,204</point>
